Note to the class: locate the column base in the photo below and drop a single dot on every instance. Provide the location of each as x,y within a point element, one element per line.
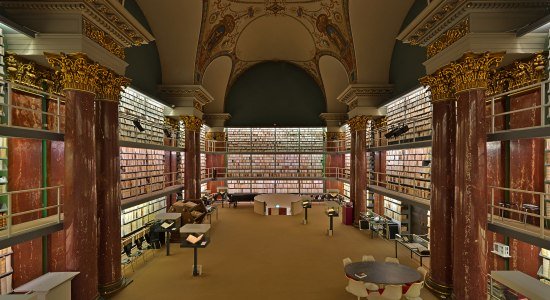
<point>439,290</point>
<point>109,289</point>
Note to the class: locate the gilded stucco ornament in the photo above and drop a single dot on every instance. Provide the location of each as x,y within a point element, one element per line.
<point>358,123</point>
<point>110,85</point>
<point>449,37</point>
<point>102,38</point>
<point>215,136</point>
<point>192,123</point>
<point>518,74</point>
<point>77,70</point>
<point>28,73</point>
<point>440,86</point>
<point>380,123</point>
<point>472,70</point>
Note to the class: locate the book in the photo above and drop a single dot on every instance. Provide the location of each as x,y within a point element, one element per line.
<point>194,239</point>
<point>361,275</point>
<point>166,225</point>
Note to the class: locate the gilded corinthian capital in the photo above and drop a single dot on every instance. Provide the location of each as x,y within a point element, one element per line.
<point>77,70</point>
<point>440,86</point>
<point>110,85</point>
<point>472,70</point>
<point>358,122</point>
<point>192,123</point>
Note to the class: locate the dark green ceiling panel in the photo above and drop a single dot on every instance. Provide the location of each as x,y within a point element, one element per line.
<point>275,92</point>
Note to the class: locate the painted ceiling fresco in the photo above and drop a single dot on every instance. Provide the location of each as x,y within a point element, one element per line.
<point>323,22</point>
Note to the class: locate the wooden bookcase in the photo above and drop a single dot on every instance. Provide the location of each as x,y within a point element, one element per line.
<point>150,114</point>
<point>415,110</point>
<point>347,190</point>
<point>408,171</point>
<point>135,218</point>
<point>398,212</point>
<point>141,171</point>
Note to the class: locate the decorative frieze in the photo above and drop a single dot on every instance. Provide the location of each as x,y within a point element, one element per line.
<point>358,122</point>
<point>449,37</point>
<point>28,73</point>
<point>110,85</point>
<point>472,70</point>
<point>519,74</point>
<point>102,38</point>
<point>192,123</point>
<point>77,70</point>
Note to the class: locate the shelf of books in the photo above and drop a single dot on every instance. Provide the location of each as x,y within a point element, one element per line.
<point>347,190</point>
<point>141,118</point>
<point>203,165</point>
<point>275,186</point>
<point>6,271</point>
<point>135,218</point>
<point>398,212</point>
<point>347,165</point>
<point>544,269</point>
<point>408,171</point>
<point>141,171</point>
<point>347,134</point>
<point>3,178</point>
<point>275,165</point>
<point>414,110</point>
<point>275,140</point>
<point>369,196</point>
<point>180,166</point>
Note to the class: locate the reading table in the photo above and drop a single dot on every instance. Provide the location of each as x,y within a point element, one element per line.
<point>168,227</point>
<point>382,272</point>
<point>198,229</point>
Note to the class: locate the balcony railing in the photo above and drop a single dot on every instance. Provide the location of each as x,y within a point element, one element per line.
<point>275,146</point>
<point>338,173</point>
<point>14,223</point>
<point>529,218</point>
<point>412,189</point>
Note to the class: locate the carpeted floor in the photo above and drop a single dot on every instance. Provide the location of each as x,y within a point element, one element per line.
<point>261,257</point>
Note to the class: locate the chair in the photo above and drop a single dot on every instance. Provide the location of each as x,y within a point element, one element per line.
<point>357,288</point>
<point>392,260</point>
<point>367,258</point>
<point>391,292</point>
<point>127,251</point>
<point>413,293</point>
<point>423,271</point>
<point>346,261</point>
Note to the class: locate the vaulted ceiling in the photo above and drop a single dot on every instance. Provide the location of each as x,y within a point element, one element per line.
<point>212,42</point>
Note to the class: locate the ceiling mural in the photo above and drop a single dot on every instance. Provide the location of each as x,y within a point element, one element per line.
<point>298,31</point>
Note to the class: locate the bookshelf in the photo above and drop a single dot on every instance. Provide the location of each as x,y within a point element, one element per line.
<point>275,140</point>
<point>287,186</point>
<point>415,110</point>
<point>6,271</point>
<point>267,186</point>
<point>3,178</point>
<point>180,166</point>
<point>347,165</point>
<point>135,218</point>
<point>369,196</point>
<point>347,134</point>
<point>398,212</point>
<point>141,171</point>
<point>311,186</point>
<point>544,269</point>
<point>150,114</point>
<point>408,171</point>
<point>547,178</point>
<point>347,190</point>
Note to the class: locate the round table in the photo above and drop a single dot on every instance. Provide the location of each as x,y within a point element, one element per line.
<point>382,272</point>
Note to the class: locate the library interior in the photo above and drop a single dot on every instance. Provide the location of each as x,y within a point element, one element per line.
<point>274,149</point>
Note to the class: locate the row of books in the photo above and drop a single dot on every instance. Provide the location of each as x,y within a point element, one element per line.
<point>6,269</point>
<point>141,190</point>
<point>134,218</point>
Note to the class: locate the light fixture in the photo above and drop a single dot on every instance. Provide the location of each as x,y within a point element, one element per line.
<point>137,124</point>
<point>403,129</point>
<point>391,133</point>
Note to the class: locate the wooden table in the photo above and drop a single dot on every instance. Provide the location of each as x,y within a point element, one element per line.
<point>382,272</point>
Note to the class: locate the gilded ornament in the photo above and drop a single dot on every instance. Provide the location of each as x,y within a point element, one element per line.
<point>77,70</point>
<point>215,136</point>
<point>518,74</point>
<point>110,85</point>
<point>380,123</point>
<point>192,123</point>
<point>449,37</point>
<point>472,70</point>
<point>28,73</point>
<point>335,135</point>
<point>197,105</point>
<point>103,39</point>
<point>358,123</point>
<point>440,86</point>
<point>171,123</point>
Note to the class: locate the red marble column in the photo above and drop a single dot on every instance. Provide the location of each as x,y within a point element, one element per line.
<point>358,182</point>
<point>380,167</point>
<point>192,157</point>
<point>440,279</point>
<point>110,277</point>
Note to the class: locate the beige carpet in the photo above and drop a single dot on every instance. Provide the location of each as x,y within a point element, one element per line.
<point>261,257</point>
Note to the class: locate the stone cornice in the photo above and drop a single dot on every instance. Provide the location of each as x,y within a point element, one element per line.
<point>197,92</point>
<point>355,91</point>
<point>220,116</point>
<point>108,15</point>
<point>442,15</point>
<point>334,117</point>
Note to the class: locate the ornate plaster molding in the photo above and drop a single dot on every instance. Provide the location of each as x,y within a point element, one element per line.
<point>440,85</point>
<point>359,122</point>
<point>472,70</point>
<point>519,74</point>
<point>335,135</point>
<point>102,38</point>
<point>192,123</point>
<point>334,117</point>
<point>353,92</point>
<point>28,73</point>
<point>441,15</point>
<point>108,15</point>
<point>449,37</point>
<point>215,136</point>
<point>110,85</point>
<point>197,92</point>
<point>77,70</point>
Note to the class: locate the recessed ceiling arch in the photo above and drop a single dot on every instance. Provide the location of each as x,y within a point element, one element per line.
<point>335,80</point>
<point>215,81</point>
